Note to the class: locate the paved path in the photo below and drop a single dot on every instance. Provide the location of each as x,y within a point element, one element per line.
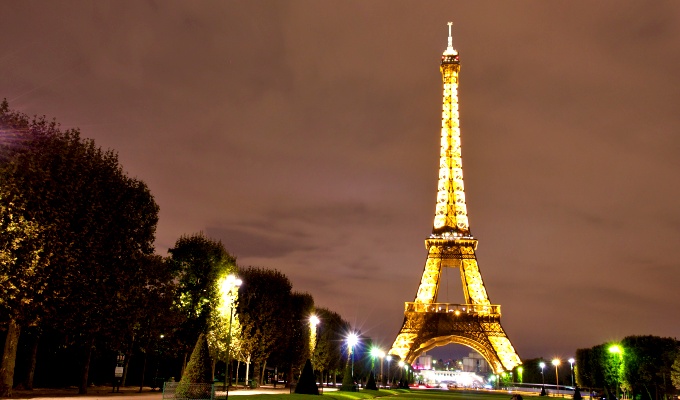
<point>130,393</point>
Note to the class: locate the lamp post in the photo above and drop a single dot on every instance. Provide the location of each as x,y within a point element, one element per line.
<point>382,359</point>
<point>389,360</point>
<point>571,369</point>
<point>542,365</point>
<point>313,322</point>
<point>556,363</point>
<point>229,284</point>
<point>401,370</point>
<point>352,340</point>
<point>375,352</point>
<point>615,349</point>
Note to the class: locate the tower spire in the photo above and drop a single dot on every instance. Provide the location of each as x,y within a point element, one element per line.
<point>450,218</point>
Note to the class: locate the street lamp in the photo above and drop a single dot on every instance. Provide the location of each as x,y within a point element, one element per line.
<point>382,359</point>
<point>228,285</point>
<point>313,322</point>
<point>352,340</point>
<point>389,360</point>
<point>556,363</point>
<point>375,352</point>
<point>616,349</point>
<point>401,370</point>
<point>542,365</point>
<point>571,369</point>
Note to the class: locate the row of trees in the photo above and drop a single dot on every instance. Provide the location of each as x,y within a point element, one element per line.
<point>79,278</point>
<point>646,367</point>
<point>642,367</point>
<point>263,321</point>
<point>76,240</point>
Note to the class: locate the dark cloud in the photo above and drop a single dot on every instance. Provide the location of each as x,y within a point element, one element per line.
<point>304,135</point>
<point>259,241</point>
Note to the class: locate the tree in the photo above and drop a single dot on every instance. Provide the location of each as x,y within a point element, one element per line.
<point>224,325</point>
<point>95,226</point>
<point>295,347</point>
<point>648,362</point>
<point>329,355</point>
<point>200,263</point>
<point>149,313</point>
<point>585,375</point>
<point>675,372</point>
<point>22,256</point>
<point>20,262</point>
<point>642,365</point>
<point>264,301</point>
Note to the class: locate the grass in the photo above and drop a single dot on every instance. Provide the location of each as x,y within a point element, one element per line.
<point>392,394</point>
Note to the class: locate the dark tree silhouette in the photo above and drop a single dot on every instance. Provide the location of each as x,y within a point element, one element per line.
<point>86,227</point>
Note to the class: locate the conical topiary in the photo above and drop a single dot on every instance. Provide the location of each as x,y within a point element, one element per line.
<point>307,382</point>
<point>347,381</point>
<point>370,385</point>
<point>577,393</point>
<point>198,371</point>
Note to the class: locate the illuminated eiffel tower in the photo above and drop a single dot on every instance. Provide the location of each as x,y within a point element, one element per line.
<point>476,324</point>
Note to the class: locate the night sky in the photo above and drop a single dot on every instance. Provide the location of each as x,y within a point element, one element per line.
<point>305,136</point>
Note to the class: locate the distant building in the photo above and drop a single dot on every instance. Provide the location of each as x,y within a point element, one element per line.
<point>423,362</point>
<point>474,362</point>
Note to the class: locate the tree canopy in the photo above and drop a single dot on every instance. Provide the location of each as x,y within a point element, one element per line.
<point>641,365</point>
<point>264,302</point>
<point>80,230</point>
<point>78,273</point>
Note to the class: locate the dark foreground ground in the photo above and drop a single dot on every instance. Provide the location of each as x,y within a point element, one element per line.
<point>268,393</point>
<point>102,392</point>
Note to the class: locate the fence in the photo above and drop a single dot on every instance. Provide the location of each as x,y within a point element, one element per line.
<point>188,391</point>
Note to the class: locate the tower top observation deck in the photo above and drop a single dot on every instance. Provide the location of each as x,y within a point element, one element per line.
<point>450,55</point>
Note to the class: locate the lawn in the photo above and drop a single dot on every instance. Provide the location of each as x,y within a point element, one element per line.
<point>430,394</point>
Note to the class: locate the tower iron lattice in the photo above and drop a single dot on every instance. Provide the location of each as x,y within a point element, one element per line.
<point>476,324</point>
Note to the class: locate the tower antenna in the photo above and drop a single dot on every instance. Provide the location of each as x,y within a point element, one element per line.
<point>449,48</point>
<point>450,24</point>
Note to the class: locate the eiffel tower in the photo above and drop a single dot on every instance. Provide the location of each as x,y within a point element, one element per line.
<point>477,323</point>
